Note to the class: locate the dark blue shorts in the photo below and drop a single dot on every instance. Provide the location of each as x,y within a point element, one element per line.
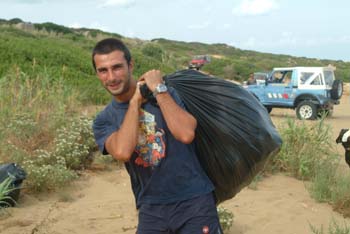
<point>194,216</point>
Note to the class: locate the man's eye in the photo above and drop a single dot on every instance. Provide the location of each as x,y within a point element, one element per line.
<point>118,67</point>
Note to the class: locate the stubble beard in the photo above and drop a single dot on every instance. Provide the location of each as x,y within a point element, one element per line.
<point>125,85</point>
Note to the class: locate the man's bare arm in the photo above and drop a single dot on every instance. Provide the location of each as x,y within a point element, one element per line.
<point>180,123</point>
<point>121,144</point>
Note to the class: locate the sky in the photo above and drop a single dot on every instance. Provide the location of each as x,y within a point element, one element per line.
<point>303,28</point>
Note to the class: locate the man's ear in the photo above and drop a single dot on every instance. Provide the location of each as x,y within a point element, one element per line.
<point>131,65</point>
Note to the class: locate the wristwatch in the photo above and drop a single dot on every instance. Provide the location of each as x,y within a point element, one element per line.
<point>161,88</point>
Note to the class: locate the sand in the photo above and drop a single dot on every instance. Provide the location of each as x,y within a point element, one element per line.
<point>101,202</point>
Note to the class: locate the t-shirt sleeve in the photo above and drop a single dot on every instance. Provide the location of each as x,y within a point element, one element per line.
<point>102,130</point>
<point>176,97</point>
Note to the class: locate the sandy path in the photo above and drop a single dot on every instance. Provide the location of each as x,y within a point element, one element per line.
<point>280,205</point>
<point>101,202</point>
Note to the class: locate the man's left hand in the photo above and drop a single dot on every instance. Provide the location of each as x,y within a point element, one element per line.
<point>152,79</point>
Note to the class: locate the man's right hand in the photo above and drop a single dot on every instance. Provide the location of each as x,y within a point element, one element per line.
<point>137,97</point>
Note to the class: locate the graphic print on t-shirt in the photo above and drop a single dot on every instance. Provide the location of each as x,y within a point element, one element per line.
<point>150,147</point>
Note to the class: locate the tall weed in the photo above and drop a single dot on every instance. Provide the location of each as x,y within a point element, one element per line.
<point>308,153</point>
<point>306,148</point>
<point>41,129</point>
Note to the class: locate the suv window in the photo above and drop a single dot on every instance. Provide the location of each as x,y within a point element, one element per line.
<point>329,77</point>
<point>305,76</point>
<point>310,78</point>
<point>317,80</point>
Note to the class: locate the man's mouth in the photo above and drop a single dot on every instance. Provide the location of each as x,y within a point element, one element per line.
<point>114,85</point>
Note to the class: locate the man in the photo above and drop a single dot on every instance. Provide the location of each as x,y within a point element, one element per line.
<point>172,192</point>
<point>251,79</point>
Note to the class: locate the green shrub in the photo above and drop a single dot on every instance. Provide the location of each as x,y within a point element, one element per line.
<point>225,217</point>
<point>322,183</point>
<point>51,27</point>
<point>49,169</point>
<point>306,148</point>
<point>47,176</point>
<point>332,187</point>
<point>154,51</point>
<point>340,195</point>
<point>144,63</point>
<point>75,143</point>
<point>71,150</point>
<point>15,21</point>
<point>41,130</point>
<point>23,130</point>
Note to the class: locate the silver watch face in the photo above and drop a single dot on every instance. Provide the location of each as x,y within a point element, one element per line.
<point>161,88</point>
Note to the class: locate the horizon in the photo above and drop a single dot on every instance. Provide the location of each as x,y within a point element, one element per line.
<point>301,29</point>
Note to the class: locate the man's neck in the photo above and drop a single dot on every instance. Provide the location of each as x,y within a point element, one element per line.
<point>125,97</point>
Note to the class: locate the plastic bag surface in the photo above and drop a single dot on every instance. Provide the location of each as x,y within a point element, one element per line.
<point>235,135</point>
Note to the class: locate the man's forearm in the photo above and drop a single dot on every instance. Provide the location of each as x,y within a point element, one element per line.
<point>121,144</point>
<point>180,123</point>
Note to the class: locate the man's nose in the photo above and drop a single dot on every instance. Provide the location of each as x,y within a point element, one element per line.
<point>110,74</point>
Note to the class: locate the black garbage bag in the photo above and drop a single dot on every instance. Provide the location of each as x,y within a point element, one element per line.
<point>235,135</point>
<point>16,175</point>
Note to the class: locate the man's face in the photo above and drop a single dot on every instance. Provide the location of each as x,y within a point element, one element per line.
<point>114,72</point>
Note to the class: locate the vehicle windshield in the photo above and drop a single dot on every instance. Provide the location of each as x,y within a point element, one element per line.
<point>282,77</point>
<point>201,57</point>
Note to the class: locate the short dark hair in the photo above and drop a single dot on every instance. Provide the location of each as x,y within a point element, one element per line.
<point>109,45</point>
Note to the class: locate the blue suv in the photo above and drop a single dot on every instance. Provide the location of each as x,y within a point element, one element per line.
<point>311,91</point>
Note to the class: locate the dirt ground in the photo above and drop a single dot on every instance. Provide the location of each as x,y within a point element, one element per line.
<point>101,202</point>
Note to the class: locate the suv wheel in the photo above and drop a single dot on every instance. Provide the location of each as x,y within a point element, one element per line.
<point>337,89</point>
<point>306,110</point>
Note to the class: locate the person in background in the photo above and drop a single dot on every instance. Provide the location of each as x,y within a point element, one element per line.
<point>251,79</point>
<point>172,192</point>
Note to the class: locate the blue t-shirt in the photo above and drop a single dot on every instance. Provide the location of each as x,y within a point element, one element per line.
<point>162,169</point>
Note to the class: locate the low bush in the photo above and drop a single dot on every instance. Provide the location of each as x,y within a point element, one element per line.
<point>41,130</point>
<point>75,143</point>
<point>71,150</point>
<point>225,217</point>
